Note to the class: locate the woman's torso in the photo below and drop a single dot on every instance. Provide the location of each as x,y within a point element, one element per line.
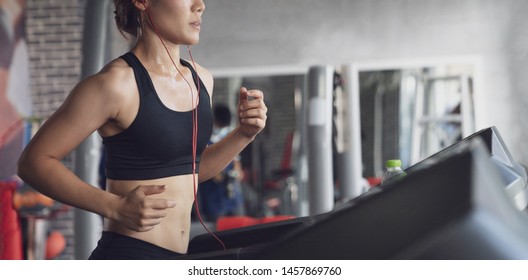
<point>173,231</point>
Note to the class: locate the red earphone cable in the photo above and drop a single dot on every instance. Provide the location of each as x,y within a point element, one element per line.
<point>195,102</point>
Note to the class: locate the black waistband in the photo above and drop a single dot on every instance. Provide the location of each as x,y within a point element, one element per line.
<point>115,246</point>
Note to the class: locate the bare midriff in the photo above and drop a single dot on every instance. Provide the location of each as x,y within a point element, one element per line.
<point>173,231</point>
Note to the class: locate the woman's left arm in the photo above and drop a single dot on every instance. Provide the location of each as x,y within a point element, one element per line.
<point>252,119</point>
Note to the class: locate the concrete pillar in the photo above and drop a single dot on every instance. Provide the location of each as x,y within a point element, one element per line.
<point>319,139</point>
<point>88,226</point>
<point>350,160</point>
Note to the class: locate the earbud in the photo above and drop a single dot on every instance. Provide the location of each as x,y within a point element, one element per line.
<point>143,2</point>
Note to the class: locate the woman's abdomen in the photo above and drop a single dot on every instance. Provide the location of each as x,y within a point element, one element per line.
<point>173,231</point>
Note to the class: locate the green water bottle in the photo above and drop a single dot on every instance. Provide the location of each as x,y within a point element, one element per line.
<point>394,171</point>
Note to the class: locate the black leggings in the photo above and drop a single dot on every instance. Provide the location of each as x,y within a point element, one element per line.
<point>115,246</point>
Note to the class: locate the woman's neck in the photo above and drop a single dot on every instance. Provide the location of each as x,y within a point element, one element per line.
<point>153,53</point>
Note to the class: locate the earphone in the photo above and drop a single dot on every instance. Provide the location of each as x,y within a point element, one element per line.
<point>194,118</point>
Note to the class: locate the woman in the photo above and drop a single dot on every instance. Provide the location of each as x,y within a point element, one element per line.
<point>143,104</point>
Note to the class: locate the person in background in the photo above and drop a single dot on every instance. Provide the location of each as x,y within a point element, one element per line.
<point>221,195</point>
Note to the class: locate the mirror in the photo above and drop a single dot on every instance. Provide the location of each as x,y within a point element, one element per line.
<point>408,111</point>
<point>268,162</point>
<point>411,112</point>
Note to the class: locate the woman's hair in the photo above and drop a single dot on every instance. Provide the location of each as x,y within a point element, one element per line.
<point>127,17</point>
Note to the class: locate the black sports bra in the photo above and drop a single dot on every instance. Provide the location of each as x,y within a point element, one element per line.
<point>158,143</point>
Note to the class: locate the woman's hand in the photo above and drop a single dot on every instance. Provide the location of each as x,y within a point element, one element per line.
<point>140,212</point>
<point>251,112</point>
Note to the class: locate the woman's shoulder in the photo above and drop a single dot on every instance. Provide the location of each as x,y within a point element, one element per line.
<point>115,73</point>
<point>114,79</point>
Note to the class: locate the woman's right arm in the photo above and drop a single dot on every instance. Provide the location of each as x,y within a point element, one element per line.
<point>90,105</point>
<point>40,166</point>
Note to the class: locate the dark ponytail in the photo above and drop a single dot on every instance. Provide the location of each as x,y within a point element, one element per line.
<point>127,17</point>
